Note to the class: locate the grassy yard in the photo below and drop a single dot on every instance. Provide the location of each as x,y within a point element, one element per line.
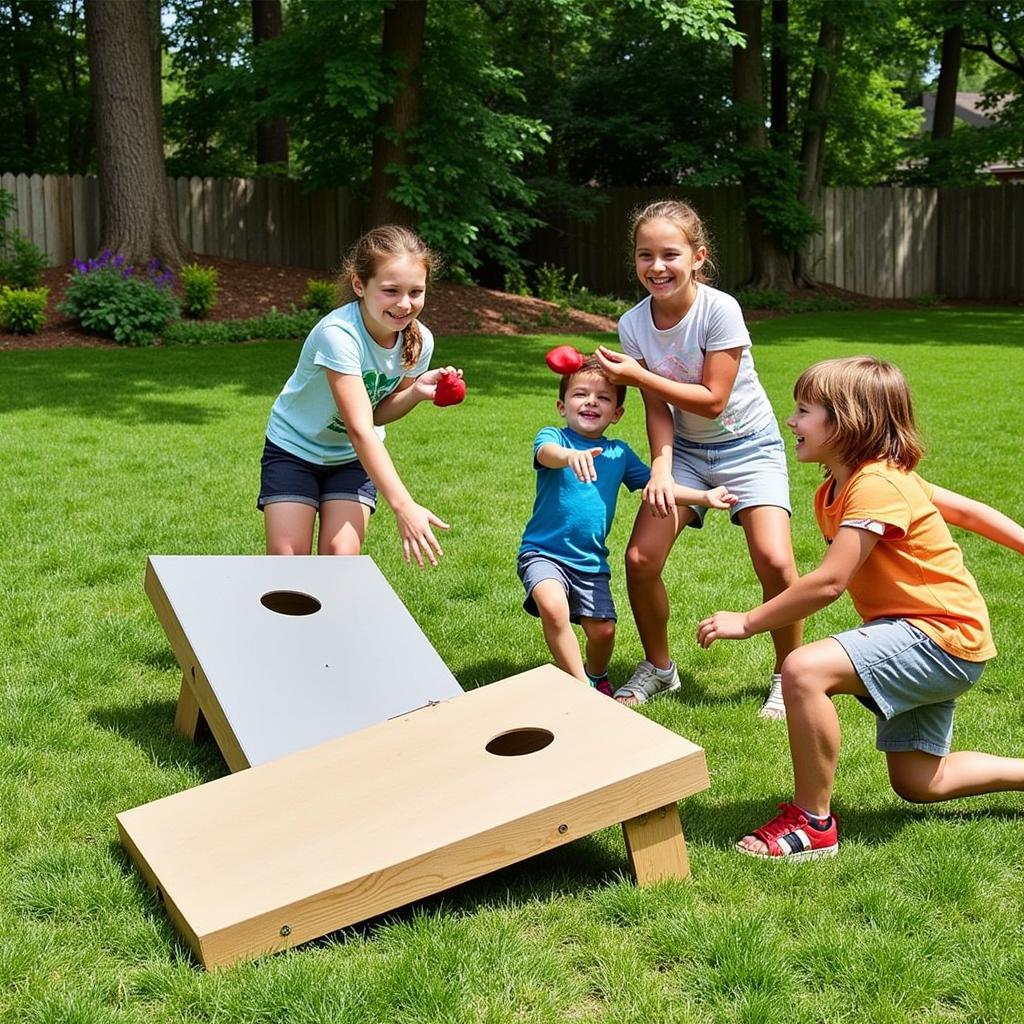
<point>109,456</point>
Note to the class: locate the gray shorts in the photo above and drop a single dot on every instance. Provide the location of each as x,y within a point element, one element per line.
<point>589,593</point>
<point>753,467</point>
<point>913,684</point>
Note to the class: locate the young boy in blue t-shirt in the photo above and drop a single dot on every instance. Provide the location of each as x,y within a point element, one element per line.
<point>563,557</point>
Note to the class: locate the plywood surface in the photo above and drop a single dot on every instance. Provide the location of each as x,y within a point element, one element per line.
<point>365,823</point>
<point>270,684</point>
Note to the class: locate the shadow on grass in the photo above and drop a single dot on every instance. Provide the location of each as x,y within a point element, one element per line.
<point>151,727</point>
<point>146,385</point>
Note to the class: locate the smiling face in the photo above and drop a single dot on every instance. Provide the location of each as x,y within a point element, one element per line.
<point>392,298</point>
<point>666,261</point>
<point>813,428</point>
<point>590,405</point>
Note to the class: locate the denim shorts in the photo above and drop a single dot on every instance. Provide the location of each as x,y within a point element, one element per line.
<point>286,477</point>
<point>913,683</point>
<point>589,593</point>
<point>753,467</point>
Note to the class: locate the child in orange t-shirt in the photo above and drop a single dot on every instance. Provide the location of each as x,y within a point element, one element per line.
<point>925,634</point>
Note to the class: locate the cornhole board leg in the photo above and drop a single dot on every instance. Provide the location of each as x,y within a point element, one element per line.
<point>188,716</point>
<point>656,847</point>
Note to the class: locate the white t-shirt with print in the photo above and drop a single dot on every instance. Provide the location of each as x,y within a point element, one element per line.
<point>305,419</point>
<point>714,322</point>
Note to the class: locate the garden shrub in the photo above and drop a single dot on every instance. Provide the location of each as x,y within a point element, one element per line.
<point>106,295</point>
<point>321,296</point>
<point>23,310</point>
<point>199,287</point>
<point>21,262</point>
<point>515,281</point>
<point>272,326</point>
<point>551,285</point>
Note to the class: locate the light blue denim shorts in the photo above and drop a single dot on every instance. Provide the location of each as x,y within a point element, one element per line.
<point>589,593</point>
<point>913,684</point>
<point>753,467</point>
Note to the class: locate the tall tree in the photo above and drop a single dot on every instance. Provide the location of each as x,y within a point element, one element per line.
<point>944,112</point>
<point>771,266</point>
<point>272,133</point>
<point>136,219</point>
<point>812,145</point>
<point>405,28</point>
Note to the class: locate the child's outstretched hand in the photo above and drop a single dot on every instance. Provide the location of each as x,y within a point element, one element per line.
<point>414,524</point>
<point>723,626</point>
<point>719,497</point>
<point>581,462</point>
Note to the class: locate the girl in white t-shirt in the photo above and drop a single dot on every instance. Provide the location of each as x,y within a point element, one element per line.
<point>709,423</point>
<point>362,366</point>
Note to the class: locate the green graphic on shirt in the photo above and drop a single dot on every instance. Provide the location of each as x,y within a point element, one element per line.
<point>377,387</point>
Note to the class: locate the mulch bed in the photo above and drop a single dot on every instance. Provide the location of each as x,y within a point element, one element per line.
<point>251,289</point>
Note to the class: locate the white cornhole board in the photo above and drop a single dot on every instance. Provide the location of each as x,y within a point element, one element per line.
<point>297,848</point>
<point>270,682</point>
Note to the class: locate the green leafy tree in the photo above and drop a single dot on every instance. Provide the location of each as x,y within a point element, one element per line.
<point>45,123</point>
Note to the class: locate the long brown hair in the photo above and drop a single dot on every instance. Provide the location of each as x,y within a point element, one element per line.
<point>869,408</point>
<point>383,243</point>
<point>686,218</point>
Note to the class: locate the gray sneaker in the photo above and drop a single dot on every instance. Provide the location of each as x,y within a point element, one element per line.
<point>645,684</point>
<point>774,705</point>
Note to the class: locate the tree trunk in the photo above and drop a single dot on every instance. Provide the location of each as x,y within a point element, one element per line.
<point>29,118</point>
<point>812,147</point>
<point>771,265</point>
<point>272,135</point>
<point>780,73</point>
<point>136,219</point>
<point>944,114</point>
<point>405,27</point>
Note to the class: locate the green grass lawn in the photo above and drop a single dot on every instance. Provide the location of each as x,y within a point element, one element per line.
<point>109,456</point>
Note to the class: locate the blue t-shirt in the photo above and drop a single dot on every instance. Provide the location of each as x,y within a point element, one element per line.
<point>571,519</point>
<point>305,419</point>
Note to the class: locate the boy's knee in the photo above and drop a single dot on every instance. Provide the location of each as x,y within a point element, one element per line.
<point>601,630</point>
<point>775,566</point>
<point>800,674</point>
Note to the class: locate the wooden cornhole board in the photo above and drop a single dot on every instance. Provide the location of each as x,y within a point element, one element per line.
<point>281,654</point>
<point>299,847</point>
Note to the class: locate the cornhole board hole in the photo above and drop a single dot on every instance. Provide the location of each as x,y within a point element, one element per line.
<point>281,654</point>
<point>294,849</point>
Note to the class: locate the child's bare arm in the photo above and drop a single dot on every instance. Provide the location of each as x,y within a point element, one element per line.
<point>716,497</point>
<point>580,461</point>
<point>976,516</point>
<point>810,593</point>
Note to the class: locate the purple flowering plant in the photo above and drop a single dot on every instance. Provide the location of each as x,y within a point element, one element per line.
<point>108,295</point>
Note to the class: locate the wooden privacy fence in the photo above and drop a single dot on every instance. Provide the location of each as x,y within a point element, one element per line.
<point>884,242</point>
<point>267,220</point>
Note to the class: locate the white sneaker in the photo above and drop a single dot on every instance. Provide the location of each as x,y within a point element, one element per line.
<point>645,683</point>
<point>774,706</point>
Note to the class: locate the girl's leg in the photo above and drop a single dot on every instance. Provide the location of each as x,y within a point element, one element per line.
<point>771,551</point>
<point>342,527</point>
<point>289,527</point>
<point>600,634</point>
<point>811,676</point>
<point>553,606</point>
<point>923,778</point>
<point>649,544</point>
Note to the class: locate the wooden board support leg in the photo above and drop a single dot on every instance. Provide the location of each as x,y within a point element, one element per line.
<point>655,845</point>
<point>188,717</point>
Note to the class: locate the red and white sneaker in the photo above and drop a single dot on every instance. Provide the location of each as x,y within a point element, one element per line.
<point>791,836</point>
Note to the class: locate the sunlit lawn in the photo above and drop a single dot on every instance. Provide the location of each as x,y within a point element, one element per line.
<point>109,456</point>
